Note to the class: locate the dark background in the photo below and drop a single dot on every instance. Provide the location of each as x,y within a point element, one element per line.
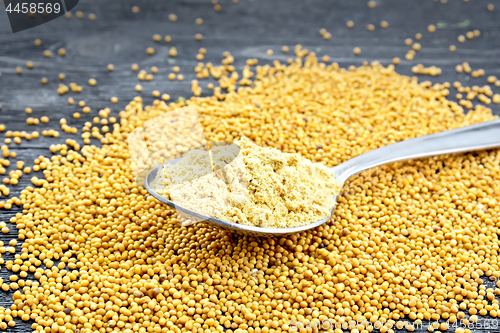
<point>247,29</point>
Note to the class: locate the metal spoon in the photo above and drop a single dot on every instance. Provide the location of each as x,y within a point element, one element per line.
<point>470,138</point>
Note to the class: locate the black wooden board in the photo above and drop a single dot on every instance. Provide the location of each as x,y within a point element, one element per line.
<point>247,29</point>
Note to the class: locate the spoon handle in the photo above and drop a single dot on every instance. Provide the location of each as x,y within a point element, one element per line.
<point>480,136</point>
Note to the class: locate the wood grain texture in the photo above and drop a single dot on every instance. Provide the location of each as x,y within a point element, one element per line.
<point>246,29</point>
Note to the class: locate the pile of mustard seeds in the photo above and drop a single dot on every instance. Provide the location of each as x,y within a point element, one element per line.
<point>408,241</point>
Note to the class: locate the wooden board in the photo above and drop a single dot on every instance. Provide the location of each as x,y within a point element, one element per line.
<point>247,29</point>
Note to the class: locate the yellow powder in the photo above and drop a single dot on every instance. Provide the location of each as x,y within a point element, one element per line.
<point>252,185</point>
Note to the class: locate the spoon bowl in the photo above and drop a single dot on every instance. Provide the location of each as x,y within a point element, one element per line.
<point>470,138</point>
<point>226,225</point>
